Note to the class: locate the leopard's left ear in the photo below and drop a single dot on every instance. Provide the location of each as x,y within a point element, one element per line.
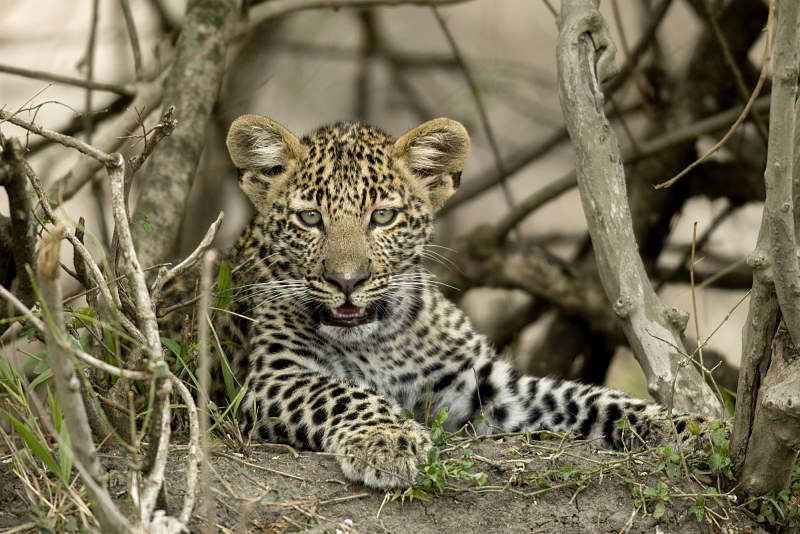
<point>435,153</point>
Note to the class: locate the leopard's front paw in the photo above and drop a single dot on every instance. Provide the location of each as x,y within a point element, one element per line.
<point>384,456</point>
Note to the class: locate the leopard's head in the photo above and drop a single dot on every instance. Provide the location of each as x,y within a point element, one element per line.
<point>346,212</point>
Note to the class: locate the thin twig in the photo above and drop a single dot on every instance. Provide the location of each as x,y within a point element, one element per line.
<point>90,49</point>
<point>701,242</point>
<point>133,35</point>
<point>166,125</point>
<point>24,310</point>
<point>694,303</point>
<point>124,90</point>
<point>636,75</point>
<point>261,11</point>
<point>739,119</point>
<point>190,260</point>
<point>98,187</point>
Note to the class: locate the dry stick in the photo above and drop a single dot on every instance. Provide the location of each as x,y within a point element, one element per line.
<point>146,315</point>
<point>90,49</point>
<point>68,387</point>
<point>66,140</point>
<point>109,294</point>
<point>473,87</point>
<point>124,90</point>
<point>733,127</point>
<point>161,130</point>
<point>674,274</point>
<point>24,310</point>
<point>190,260</point>
<point>731,63</point>
<point>76,124</point>
<point>160,430</point>
<point>208,511</point>
<point>130,24</point>
<point>601,182</point>
<point>694,303</point>
<point>193,456</point>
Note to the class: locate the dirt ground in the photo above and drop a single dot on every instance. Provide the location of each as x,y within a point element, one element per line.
<point>271,490</point>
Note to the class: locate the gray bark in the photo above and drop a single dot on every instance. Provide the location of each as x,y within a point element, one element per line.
<point>191,87</point>
<point>766,437</point>
<point>585,56</point>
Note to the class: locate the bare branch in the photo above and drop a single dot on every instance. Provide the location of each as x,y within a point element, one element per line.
<point>109,293</point>
<point>166,125</point>
<point>646,149</point>
<point>24,310</point>
<point>144,308</point>
<point>80,146</point>
<point>124,90</point>
<point>190,260</point>
<point>652,330</point>
<point>778,208</point>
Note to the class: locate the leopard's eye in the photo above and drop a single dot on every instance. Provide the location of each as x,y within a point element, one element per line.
<point>383,217</point>
<point>310,217</point>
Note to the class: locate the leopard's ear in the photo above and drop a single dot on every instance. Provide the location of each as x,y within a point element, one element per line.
<point>262,150</point>
<point>435,153</point>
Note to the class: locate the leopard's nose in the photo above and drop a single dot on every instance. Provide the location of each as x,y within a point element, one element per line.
<point>348,282</point>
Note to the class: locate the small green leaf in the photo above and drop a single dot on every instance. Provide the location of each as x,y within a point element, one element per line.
<point>146,224</point>
<point>173,346</point>
<point>659,509</point>
<point>224,286</point>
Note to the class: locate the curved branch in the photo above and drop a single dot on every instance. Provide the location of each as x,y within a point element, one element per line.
<point>584,57</point>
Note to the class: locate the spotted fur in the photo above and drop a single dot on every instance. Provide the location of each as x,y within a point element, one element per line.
<point>319,384</point>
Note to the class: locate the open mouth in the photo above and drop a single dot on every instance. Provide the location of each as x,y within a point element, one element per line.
<point>348,315</point>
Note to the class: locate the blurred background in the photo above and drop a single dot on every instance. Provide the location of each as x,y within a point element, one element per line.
<point>682,61</point>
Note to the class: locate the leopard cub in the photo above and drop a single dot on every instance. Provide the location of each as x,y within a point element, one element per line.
<point>348,328</point>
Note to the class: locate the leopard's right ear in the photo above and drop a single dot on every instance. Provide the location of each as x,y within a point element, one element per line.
<point>261,149</point>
